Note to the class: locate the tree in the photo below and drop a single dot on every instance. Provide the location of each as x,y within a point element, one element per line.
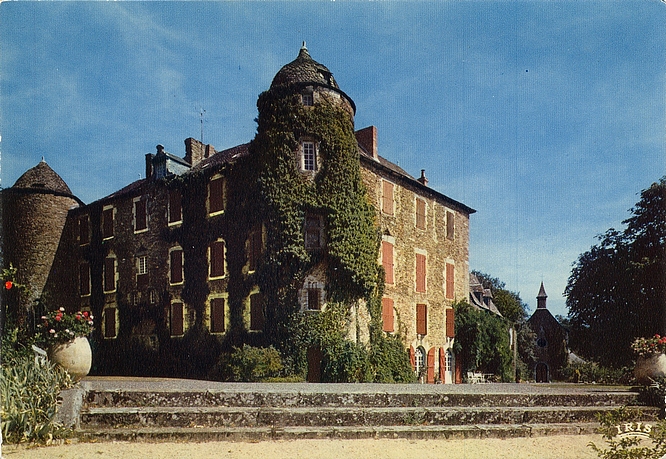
<point>509,304</point>
<point>617,289</point>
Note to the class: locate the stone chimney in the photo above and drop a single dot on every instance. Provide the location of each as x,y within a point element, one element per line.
<point>367,138</point>
<point>195,151</point>
<point>423,180</point>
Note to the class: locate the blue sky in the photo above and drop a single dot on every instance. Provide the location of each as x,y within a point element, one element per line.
<point>548,118</point>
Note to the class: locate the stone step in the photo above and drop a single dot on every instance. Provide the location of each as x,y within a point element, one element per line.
<point>203,434</point>
<point>246,399</point>
<point>205,416</point>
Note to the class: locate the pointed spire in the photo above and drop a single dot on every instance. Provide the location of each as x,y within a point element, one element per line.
<point>541,297</point>
<point>304,47</point>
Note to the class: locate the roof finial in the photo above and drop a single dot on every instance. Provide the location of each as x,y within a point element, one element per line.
<point>304,47</point>
<point>43,160</point>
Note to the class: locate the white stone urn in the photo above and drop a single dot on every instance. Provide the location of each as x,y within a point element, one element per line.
<point>649,368</point>
<point>74,356</point>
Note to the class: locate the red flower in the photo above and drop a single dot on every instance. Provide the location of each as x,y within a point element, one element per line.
<point>85,314</point>
<point>58,317</point>
<point>9,285</point>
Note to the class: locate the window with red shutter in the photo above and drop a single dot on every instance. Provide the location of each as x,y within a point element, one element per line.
<point>387,315</point>
<point>387,197</point>
<point>140,215</point>
<point>109,274</point>
<point>216,195</point>
<point>420,214</point>
<point>177,315</point>
<point>450,281</point>
<point>420,273</point>
<point>176,265</point>
<point>450,323</point>
<point>256,312</point>
<point>217,259</point>
<point>387,261</point>
<point>442,365</point>
<point>255,245</point>
<point>430,362</point>
<point>84,230</point>
<point>109,322</point>
<point>175,206</point>
<point>84,279</point>
<point>421,319</point>
<point>107,223</point>
<point>450,225</point>
<point>217,315</point>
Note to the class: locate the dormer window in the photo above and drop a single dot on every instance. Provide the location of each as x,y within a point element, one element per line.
<point>308,156</point>
<point>308,99</point>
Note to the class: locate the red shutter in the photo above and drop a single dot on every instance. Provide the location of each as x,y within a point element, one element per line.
<point>109,274</point>
<point>420,214</point>
<point>84,230</point>
<point>450,323</point>
<point>387,261</point>
<point>420,273</point>
<point>442,365</point>
<point>107,223</point>
<point>175,207</point>
<point>256,313</point>
<point>450,281</point>
<point>421,319</point>
<point>412,357</point>
<point>217,315</point>
<point>176,319</point>
<point>176,259</point>
<point>216,195</point>
<point>387,314</point>
<point>84,279</point>
<point>140,215</point>
<point>110,323</point>
<point>217,259</point>
<point>387,197</point>
<point>430,362</point>
<point>450,225</point>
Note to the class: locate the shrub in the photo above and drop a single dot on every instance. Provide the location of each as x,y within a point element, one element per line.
<point>616,424</point>
<point>248,364</point>
<point>29,393</point>
<point>590,372</point>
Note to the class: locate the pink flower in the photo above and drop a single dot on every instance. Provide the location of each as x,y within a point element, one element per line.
<point>52,331</point>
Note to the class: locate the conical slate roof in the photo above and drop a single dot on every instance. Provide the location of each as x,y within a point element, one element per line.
<point>42,177</point>
<point>304,69</point>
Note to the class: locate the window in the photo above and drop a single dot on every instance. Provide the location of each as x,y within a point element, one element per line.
<point>450,323</point>
<point>314,298</point>
<point>307,99</point>
<point>387,315</point>
<point>314,225</point>
<point>387,261</point>
<point>217,315</point>
<point>175,206</point>
<point>176,266</point>
<point>84,279</point>
<point>255,245</point>
<point>140,215</point>
<point>109,322</point>
<point>107,223</point>
<point>109,274</point>
<point>419,359</point>
<point>176,319</point>
<point>216,195</point>
<point>142,271</point>
<point>256,312</point>
<point>216,259</point>
<point>387,197</point>
<point>450,281</point>
<point>420,213</point>
<point>84,230</point>
<point>309,156</point>
<point>421,319</point>
<point>420,273</point>
<point>450,225</point>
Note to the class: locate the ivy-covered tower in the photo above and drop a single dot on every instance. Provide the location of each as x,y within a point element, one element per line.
<point>321,239</point>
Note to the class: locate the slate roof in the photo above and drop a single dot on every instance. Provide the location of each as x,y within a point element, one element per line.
<point>304,69</point>
<point>223,157</point>
<point>42,177</point>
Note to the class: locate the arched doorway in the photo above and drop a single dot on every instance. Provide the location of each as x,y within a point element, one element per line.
<point>541,373</point>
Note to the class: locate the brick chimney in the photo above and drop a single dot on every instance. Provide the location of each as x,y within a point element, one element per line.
<point>423,180</point>
<point>367,138</point>
<point>194,151</point>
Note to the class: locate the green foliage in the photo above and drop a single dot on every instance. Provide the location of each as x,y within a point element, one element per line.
<point>509,304</point>
<point>249,364</point>
<point>629,447</point>
<point>617,288</point>
<point>29,393</point>
<point>60,327</point>
<point>482,341</point>
<point>590,372</point>
<point>390,360</point>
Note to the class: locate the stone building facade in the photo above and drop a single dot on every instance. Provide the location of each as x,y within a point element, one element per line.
<point>170,263</point>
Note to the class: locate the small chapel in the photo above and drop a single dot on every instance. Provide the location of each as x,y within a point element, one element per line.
<point>551,341</point>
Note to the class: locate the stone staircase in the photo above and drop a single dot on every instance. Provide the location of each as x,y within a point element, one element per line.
<point>182,410</point>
